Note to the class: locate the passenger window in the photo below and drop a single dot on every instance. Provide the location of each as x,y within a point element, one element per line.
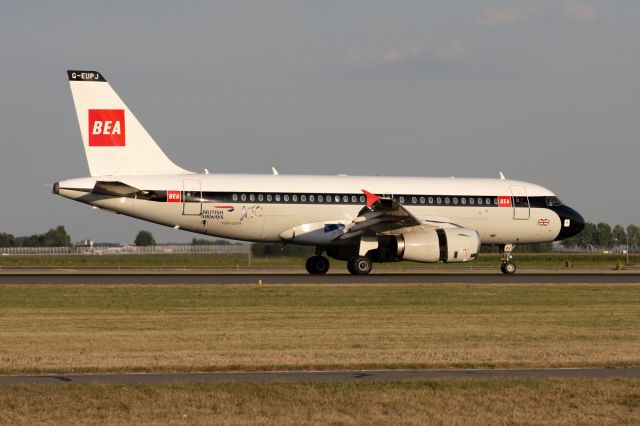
<point>235,197</point>
<point>243,197</point>
<point>260,197</point>
<point>479,201</point>
<point>401,200</point>
<point>294,197</point>
<point>446,200</point>
<point>354,199</point>
<point>421,200</point>
<point>430,200</point>
<point>414,200</point>
<point>362,198</point>
<point>252,197</point>
<point>439,200</point>
<point>269,197</point>
<point>312,198</point>
<point>345,198</point>
<point>303,198</point>
<point>286,197</point>
<point>455,200</point>
<point>495,201</point>
<point>278,197</point>
<point>337,198</point>
<point>463,200</point>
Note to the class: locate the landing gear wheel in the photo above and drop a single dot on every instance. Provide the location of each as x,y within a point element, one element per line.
<point>508,268</point>
<point>317,265</point>
<point>360,265</point>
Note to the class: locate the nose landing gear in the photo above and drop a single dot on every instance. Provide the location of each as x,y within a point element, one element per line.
<point>507,267</point>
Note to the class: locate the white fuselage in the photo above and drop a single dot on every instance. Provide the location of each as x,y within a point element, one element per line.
<point>253,207</point>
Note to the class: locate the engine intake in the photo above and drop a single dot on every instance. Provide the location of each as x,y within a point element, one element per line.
<point>450,245</point>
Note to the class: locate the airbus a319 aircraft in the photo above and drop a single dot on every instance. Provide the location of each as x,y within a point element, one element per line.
<point>358,219</point>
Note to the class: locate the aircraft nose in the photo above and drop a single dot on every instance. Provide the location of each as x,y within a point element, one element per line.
<point>571,222</point>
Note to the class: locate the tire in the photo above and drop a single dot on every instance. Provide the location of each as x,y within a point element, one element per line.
<point>317,265</point>
<point>322,265</point>
<point>311,265</point>
<point>508,268</point>
<point>350,267</point>
<point>361,265</point>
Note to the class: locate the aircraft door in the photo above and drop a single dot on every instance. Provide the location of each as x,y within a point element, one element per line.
<point>520,202</point>
<point>192,197</point>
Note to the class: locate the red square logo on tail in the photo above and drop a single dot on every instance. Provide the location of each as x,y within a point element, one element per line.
<point>106,127</point>
<point>504,201</point>
<point>173,196</point>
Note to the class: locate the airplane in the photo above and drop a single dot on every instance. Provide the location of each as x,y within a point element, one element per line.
<point>357,219</point>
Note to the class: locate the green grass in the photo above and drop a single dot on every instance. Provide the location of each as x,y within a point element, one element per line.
<point>451,401</point>
<point>231,260</point>
<point>67,328</point>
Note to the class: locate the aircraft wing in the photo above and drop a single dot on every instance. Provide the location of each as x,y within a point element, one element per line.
<point>386,216</point>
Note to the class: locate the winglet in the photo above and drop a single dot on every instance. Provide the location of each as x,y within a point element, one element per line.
<point>371,198</point>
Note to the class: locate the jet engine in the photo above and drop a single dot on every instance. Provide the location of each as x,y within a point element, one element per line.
<point>450,245</point>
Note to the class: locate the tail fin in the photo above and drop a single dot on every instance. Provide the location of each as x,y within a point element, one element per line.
<point>114,140</point>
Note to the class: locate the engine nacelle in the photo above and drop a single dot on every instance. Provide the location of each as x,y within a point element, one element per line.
<point>448,245</point>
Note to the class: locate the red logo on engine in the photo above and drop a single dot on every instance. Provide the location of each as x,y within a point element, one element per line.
<point>504,201</point>
<point>173,196</point>
<point>106,127</point>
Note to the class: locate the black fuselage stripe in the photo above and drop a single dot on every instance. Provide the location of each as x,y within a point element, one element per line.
<point>315,198</point>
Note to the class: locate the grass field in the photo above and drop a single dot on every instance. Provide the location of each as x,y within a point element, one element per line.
<point>46,329</point>
<point>449,402</point>
<point>231,260</point>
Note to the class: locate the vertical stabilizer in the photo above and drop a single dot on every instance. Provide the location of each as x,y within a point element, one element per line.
<point>114,140</point>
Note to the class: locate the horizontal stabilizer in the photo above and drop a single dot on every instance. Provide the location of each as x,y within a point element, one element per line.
<point>117,189</point>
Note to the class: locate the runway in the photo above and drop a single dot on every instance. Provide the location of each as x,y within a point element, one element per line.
<point>266,278</point>
<point>318,376</point>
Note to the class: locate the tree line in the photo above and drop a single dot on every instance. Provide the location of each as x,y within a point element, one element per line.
<point>55,237</point>
<point>601,236</point>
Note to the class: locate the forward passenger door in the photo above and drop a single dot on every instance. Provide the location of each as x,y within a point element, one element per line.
<point>521,210</point>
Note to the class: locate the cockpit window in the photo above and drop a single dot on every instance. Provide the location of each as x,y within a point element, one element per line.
<point>553,201</point>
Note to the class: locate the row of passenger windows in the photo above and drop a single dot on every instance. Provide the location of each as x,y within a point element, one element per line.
<point>480,201</point>
<point>361,199</point>
<point>311,198</point>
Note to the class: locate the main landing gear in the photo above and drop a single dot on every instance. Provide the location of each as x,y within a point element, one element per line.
<point>318,264</point>
<point>360,265</point>
<point>507,267</point>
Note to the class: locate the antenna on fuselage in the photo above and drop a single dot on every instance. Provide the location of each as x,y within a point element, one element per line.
<point>275,172</point>
<point>502,176</point>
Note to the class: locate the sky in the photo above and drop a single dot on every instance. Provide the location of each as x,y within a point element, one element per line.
<point>544,91</point>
